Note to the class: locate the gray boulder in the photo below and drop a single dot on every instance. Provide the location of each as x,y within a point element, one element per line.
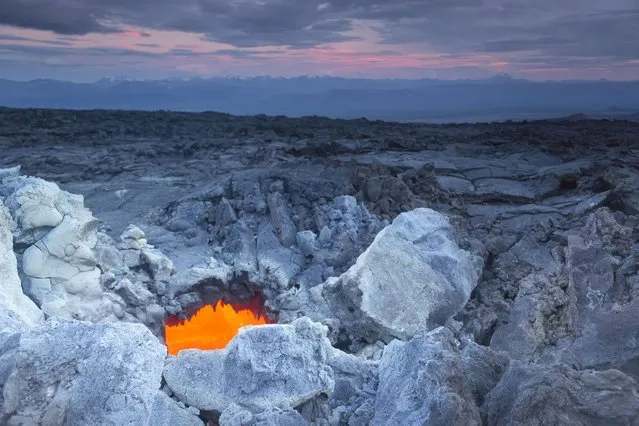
<point>239,248</point>
<point>606,305</point>
<point>353,398</point>
<point>167,412</point>
<point>133,238</point>
<point>306,242</point>
<point>559,395</point>
<point>234,415</point>
<point>483,369</point>
<point>59,264</point>
<point>225,213</point>
<point>76,373</point>
<point>582,309</point>
<point>184,281</point>
<point>9,172</point>
<point>13,302</point>
<point>423,381</point>
<point>412,278</point>
<point>160,266</point>
<point>262,367</point>
<point>277,264</point>
<point>281,219</point>
<point>139,253</point>
<point>542,314</point>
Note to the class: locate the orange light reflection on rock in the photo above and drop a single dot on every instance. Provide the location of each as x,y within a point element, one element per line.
<point>212,327</point>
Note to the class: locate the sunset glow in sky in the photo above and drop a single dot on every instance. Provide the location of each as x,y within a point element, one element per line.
<point>84,40</point>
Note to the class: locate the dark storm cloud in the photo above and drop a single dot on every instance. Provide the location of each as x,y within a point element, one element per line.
<point>241,23</point>
<point>57,52</point>
<point>11,37</point>
<point>119,54</point>
<point>61,17</point>
<point>518,45</point>
<point>611,35</point>
<point>553,28</point>
<point>245,23</point>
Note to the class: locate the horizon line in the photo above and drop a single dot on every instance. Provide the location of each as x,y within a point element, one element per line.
<point>496,77</point>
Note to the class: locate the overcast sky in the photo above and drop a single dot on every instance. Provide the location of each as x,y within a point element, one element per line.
<point>83,40</point>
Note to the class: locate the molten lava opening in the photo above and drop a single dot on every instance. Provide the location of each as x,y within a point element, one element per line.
<point>213,326</point>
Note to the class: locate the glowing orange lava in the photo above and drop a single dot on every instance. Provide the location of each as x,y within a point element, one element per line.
<point>211,327</point>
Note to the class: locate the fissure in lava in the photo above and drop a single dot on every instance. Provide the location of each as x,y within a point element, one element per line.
<point>213,327</point>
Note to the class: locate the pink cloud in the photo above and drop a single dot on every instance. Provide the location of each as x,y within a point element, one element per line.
<point>133,34</point>
<point>362,58</point>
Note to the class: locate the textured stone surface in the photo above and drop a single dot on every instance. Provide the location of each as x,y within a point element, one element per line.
<point>412,278</point>
<point>76,373</point>
<point>234,415</point>
<point>166,412</point>
<point>423,381</point>
<point>551,207</point>
<point>263,366</point>
<point>15,304</point>
<point>536,394</point>
<point>581,307</point>
<point>59,263</point>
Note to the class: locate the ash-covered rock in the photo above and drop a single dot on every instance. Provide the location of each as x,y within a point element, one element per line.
<point>580,307</point>
<point>76,373</point>
<point>16,309</point>
<point>225,206</point>
<point>18,313</point>
<point>423,381</point>
<point>353,397</point>
<point>234,415</point>
<point>275,250</point>
<point>412,278</point>
<point>71,269</point>
<point>167,412</point>
<point>136,275</point>
<point>537,394</point>
<point>56,236</point>
<point>262,367</point>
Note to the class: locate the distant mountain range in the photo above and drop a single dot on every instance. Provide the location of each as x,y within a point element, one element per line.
<point>494,99</point>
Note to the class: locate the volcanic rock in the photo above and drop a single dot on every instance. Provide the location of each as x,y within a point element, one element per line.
<point>262,367</point>
<point>353,398</point>
<point>541,315</point>
<point>133,238</point>
<point>185,281</point>
<point>15,307</point>
<point>538,394</point>
<point>62,367</point>
<point>277,264</point>
<point>583,303</point>
<point>287,206</point>
<point>483,368</point>
<point>306,242</point>
<point>159,265</point>
<point>423,381</point>
<point>412,278</point>
<point>167,412</point>
<point>281,219</point>
<point>58,263</point>
<point>234,415</point>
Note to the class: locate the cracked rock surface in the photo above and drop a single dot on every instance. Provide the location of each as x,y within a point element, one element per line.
<point>61,376</point>
<point>417,274</point>
<point>17,310</point>
<point>268,366</point>
<point>412,278</point>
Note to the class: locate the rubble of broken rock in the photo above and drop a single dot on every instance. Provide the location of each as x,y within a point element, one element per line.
<point>416,274</point>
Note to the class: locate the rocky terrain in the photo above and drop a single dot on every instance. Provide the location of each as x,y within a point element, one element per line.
<point>418,274</point>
